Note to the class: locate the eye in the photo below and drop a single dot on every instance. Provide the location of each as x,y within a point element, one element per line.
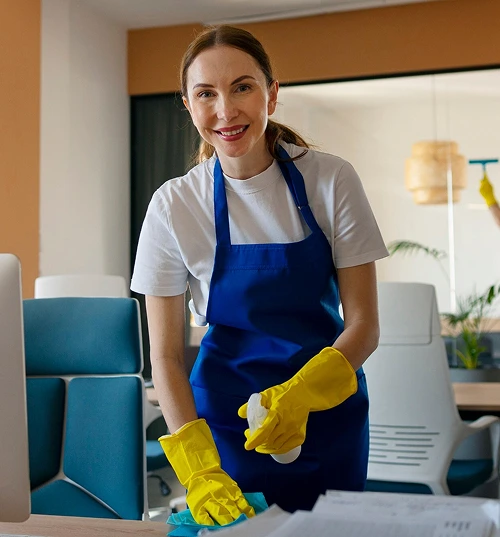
<point>243,88</point>
<point>204,94</point>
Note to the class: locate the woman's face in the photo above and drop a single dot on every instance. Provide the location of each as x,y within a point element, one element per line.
<point>230,102</point>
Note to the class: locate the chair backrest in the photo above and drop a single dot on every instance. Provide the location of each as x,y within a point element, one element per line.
<point>85,407</point>
<point>91,285</point>
<point>413,416</point>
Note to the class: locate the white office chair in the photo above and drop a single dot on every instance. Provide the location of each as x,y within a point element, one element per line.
<point>415,427</point>
<point>91,285</point>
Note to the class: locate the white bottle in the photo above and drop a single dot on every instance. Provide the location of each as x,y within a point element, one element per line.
<point>256,414</point>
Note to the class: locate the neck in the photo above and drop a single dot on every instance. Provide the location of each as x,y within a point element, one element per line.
<point>246,166</point>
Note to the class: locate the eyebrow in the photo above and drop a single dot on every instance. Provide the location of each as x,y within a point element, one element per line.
<point>236,81</point>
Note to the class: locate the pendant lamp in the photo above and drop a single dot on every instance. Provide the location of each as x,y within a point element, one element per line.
<point>428,168</point>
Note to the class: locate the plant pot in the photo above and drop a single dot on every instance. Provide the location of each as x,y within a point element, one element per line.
<point>460,374</point>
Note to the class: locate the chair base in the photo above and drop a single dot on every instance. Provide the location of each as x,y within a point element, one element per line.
<point>164,488</point>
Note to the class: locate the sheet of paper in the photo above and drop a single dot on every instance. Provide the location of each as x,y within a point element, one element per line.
<point>407,506</point>
<point>257,526</point>
<point>308,523</point>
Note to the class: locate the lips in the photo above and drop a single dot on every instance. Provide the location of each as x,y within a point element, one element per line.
<point>231,131</point>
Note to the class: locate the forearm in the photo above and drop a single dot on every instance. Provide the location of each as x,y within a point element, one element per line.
<point>495,211</point>
<point>358,291</point>
<point>174,392</point>
<point>166,319</point>
<point>358,341</point>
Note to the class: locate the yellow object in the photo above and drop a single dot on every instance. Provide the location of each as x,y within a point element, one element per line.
<point>211,494</point>
<point>486,190</point>
<point>325,381</point>
<point>428,169</point>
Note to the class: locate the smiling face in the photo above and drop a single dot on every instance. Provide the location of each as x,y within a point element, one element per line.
<point>230,102</point>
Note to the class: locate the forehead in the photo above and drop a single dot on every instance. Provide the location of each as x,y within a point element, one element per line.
<point>222,64</point>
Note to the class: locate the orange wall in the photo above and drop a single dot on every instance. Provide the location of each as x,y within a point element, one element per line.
<point>20,133</point>
<point>429,36</point>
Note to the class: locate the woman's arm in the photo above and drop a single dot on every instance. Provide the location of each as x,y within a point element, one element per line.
<point>495,211</point>
<point>211,494</point>
<point>358,293</point>
<point>328,378</point>
<point>166,323</point>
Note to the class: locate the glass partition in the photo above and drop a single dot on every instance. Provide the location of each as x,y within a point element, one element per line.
<point>374,124</point>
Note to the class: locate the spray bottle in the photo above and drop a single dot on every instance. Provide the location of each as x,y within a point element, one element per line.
<point>256,414</point>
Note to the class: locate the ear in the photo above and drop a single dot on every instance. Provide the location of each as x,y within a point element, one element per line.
<point>273,98</point>
<point>186,103</point>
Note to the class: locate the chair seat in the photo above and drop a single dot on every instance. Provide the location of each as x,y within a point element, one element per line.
<point>463,476</point>
<point>62,498</point>
<point>155,456</point>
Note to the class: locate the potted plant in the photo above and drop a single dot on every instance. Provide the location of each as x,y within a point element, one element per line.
<point>466,328</point>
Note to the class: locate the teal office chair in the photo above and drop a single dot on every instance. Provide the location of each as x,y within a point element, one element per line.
<point>416,433</point>
<point>155,457</point>
<point>85,407</point>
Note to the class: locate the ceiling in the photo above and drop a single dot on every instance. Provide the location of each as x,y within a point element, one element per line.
<point>149,13</point>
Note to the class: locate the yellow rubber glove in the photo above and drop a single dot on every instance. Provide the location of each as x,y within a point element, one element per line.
<point>325,381</point>
<point>211,494</point>
<point>486,190</point>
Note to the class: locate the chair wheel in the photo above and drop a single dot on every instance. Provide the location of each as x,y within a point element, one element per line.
<point>165,489</point>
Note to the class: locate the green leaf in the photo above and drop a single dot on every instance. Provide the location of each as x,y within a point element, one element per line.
<point>411,247</point>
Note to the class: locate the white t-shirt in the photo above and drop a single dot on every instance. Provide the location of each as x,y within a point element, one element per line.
<point>177,241</point>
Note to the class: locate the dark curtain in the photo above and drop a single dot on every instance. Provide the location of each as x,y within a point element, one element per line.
<point>163,141</point>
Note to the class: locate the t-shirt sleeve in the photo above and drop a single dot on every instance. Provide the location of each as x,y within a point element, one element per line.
<point>357,238</point>
<point>159,269</point>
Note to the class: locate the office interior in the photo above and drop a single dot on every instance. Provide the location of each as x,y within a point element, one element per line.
<point>69,71</point>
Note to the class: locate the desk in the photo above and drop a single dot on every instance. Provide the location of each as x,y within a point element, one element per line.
<point>66,526</point>
<point>477,396</point>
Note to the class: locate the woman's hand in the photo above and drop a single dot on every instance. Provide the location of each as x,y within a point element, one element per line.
<point>327,380</point>
<point>212,496</point>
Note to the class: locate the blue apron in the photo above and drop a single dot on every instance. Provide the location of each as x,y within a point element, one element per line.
<point>271,308</point>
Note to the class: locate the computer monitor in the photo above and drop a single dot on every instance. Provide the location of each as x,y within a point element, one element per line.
<point>14,458</point>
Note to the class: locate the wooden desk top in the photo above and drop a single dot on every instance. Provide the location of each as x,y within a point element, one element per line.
<point>478,396</point>
<point>62,526</point>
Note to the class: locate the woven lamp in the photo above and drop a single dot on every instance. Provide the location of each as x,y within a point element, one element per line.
<point>426,172</point>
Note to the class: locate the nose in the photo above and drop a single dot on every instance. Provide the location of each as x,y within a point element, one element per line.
<point>226,109</point>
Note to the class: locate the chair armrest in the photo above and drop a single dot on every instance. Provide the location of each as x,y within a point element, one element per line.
<point>487,422</point>
<point>482,423</point>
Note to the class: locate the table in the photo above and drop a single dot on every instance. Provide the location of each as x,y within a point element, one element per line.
<point>65,526</point>
<point>476,396</point>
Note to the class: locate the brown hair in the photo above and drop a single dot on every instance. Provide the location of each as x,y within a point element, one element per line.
<point>230,36</point>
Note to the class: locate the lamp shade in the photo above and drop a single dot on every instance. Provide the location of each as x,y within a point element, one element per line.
<point>426,171</point>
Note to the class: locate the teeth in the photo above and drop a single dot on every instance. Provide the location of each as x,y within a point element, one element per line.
<point>232,133</point>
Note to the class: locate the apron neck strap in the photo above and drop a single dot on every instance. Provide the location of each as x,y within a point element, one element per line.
<point>293,179</point>
<point>297,187</point>
<point>220,207</point>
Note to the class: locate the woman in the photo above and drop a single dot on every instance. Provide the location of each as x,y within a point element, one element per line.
<point>269,235</point>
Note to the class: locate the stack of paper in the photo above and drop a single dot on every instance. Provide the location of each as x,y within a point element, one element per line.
<point>371,514</point>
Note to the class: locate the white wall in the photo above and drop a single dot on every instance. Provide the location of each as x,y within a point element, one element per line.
<point>376,136</point>
<point>85,193</point>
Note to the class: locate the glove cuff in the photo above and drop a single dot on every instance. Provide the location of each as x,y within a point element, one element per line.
<point>191,451</point>
<point>330,379</point>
